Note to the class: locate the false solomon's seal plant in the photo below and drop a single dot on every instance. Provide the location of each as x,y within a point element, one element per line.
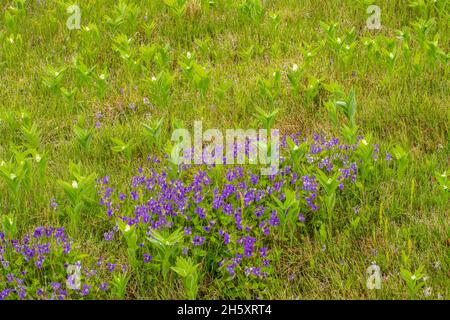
<point>234,224</point>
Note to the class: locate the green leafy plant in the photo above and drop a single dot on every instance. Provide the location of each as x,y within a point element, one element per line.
<point>83,136</point>
<point>294,76</point>
<point>80,191</point>
<point>296,152</point>
<point>53,77</point>
<point>16,171</point>
<point>366,153</point>
<point>270,89</point>
<point>252,9</point>
<point>247,54</point>
<point>84,73</point>
<point>443,181</point>
<point>102,84</point>
<point>124,17</point>
<point>349,107</point>
<point>32,136</point>
<point>222,89</point>
<point>160,89</point>
<point>195,73</point>
<point>288,212</point>
<point>162,57</point>
<point>267,119</point>
<point>9,226</point>
<point>312,88</point>
<point>330,185</point>
<point>154,130</point>
<point>177,7</point>
<point>343,47</point>
<point>119,285</point>
<point>309,52</point>
<point>402,159</point>
<point>275,19</point>
<point>122,45</point>
<point>69,95</point>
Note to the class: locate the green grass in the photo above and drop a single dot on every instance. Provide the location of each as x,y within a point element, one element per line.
<point>404,218</point>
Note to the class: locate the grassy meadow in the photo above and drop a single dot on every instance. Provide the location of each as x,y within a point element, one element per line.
<point>92,208</point>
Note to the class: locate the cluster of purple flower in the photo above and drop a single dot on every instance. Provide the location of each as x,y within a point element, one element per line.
<point>36,266</point>
<point>233,208</point>
<point>30,254</point>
